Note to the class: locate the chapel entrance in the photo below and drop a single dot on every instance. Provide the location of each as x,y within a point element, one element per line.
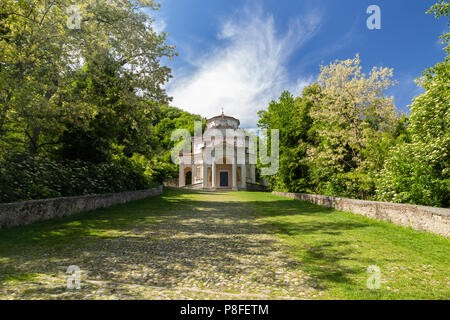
<point>188,178</point>
<point>224,179</point>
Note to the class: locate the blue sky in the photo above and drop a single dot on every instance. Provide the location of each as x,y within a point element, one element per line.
<point>240,55</point>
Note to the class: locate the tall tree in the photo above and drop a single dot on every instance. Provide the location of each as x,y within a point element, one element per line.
<point>352,120</point>
<point>419,170</point>
<point>121,120</point>
<point>42,48</point>
<point>292,117</point>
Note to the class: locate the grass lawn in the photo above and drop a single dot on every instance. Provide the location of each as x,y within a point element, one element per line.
<point>223,245</point>
<point>337,247</point>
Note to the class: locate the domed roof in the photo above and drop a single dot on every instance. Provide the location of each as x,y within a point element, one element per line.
<point>222,121</point>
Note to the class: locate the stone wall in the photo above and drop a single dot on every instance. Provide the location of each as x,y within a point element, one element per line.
<point>195,186</point>
<point>436,220</point>
<point>171,182</point>
<point>256,187</point>
<point>22,213</point>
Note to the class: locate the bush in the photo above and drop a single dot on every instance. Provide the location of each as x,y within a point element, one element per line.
<point>26,177</point>
<point>417,173</point>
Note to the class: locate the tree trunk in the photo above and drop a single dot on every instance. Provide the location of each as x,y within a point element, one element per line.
<point>4,111</point>
<point>34,140</point>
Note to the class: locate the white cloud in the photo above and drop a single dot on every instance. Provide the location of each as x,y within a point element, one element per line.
<point>159,25</point>
<point>246,69</point>
<point>158,22</point>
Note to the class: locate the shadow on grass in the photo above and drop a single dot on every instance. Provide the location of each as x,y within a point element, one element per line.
<point>317,238</point>
<point>159,241</point>
<point>162,240</point>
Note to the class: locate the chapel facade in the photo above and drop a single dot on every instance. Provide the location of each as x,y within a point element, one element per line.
<point>223,158</point>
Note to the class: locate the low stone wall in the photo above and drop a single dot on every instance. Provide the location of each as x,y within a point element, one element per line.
<point>171,182</point>
<point>195,186</point>
<point>256,187</point>
<point>22,213</point>
<point>435,220</point>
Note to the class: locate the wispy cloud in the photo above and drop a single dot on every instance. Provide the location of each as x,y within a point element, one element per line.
<point>158,22</point>
<point>247,67</point>
<point>159,25</point>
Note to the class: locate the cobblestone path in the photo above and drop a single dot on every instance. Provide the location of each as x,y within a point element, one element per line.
<point>193,245</point>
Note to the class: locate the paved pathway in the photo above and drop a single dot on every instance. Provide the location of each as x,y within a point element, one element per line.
<point>202,246</point>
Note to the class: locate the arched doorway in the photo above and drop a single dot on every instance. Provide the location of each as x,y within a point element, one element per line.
<point>188,177</point>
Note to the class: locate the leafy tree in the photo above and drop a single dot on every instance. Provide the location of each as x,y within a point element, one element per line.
<point>442,9</point>
<point>121,118</point>
<point>90,94</point>
<point>292,117</point>
<point>418,171</point>
<point>40,54</point>
<point>354,122</point>
<point>165,121</point>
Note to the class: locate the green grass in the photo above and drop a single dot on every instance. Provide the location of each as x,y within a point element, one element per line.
<point>337,247</point>
<point>150,238</point>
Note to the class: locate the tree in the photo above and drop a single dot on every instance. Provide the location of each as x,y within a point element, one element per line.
<point>354,122</point>
<point>82,83</point>
<point>165,121</point>
<point>442,9</point>
<point>291,116</point>
<point>122,119</point>
<point>418,170</point>
<point>40,55</point>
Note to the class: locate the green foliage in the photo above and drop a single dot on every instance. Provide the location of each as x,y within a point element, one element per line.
<point>343,138</point>
<point>120,118</point>
<point>42,59</point>
<point>442,9</point>
<point>291,116</point>
<point>418,170</point>
<point>355,144</point>
<point>336,136</point>
<point>25,177</point>
<point>165,121</point>
<point>83,110</point>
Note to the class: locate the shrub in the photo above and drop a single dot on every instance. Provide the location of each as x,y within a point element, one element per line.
<point>26,177</point>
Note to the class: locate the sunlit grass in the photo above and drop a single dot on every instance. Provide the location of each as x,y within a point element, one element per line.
<point>337,248</point>
<point>116,245</point>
